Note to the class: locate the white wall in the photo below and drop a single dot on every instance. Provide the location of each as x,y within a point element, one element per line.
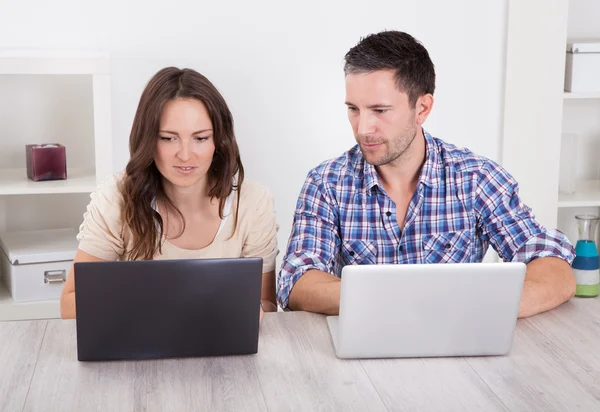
<point>533,101</point>
<point>279,66</point>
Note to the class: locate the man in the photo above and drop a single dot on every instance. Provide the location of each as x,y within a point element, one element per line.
<point>402,196</point>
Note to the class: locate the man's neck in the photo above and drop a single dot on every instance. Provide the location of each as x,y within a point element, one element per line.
<point>403,173</point>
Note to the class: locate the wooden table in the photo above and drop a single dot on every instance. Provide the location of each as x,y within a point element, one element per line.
<point>554,366</point>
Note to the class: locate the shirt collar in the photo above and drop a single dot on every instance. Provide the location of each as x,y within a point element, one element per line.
<point>433,167</point>
<point>430,172</point>
<point>371,177</point>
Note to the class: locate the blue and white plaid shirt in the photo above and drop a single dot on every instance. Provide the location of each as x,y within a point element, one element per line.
<point>463,203</point>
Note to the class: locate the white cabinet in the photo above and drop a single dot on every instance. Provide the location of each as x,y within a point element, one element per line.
<point>51,97</point>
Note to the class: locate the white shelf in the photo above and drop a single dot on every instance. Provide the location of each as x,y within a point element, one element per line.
<point>589,95</point>
<point>587,193</point>
<point>32,61</point>
<point>47,309</point>
<point>15,182</point>
<point>95,66</point>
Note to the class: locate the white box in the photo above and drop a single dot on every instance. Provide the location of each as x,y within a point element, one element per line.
<point>582,71</point>
<point>34,264</point>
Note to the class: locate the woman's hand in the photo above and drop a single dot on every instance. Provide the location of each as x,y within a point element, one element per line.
<point>266,306</point>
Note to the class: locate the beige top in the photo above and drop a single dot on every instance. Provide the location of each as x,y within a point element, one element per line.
<point>103,234</point>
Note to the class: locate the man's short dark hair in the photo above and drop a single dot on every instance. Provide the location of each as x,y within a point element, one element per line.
<point>398,51</point>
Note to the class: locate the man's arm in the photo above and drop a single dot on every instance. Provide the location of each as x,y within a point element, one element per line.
<point>306,280</point>
<point>549,282</point>
<point>510,227</point>
<point>316,291</point>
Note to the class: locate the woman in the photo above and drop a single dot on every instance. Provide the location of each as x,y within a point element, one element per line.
<point>183,193</point>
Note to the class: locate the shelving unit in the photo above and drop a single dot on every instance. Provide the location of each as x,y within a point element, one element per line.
<point>587,194</point>
<point>59,97</point>
<point>15,182</point>
<point>579,96</point>
<point>580,117</point>
<point>47,309</point>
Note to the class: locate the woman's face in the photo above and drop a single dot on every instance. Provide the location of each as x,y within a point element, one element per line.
<point>185,146</point>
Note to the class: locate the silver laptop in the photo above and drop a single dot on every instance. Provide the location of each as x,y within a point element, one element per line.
<point>424,310</point>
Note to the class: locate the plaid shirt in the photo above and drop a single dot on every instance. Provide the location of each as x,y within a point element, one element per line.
<point>463,203</point>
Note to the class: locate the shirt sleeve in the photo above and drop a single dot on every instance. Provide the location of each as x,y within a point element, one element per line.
<point>509,225</point>
<point>262,236</point>
<point>314,242</point>
<point>100,234</point>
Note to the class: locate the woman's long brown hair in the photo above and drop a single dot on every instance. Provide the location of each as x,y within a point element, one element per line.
<point>142,184</point>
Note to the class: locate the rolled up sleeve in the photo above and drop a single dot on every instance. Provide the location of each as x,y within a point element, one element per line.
<point>314,242</point>
<point>509,225</point>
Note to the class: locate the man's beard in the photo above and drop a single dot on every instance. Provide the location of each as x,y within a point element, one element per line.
<point>401,145</point>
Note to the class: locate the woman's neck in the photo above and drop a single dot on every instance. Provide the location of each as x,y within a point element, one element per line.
<point>188,199</point>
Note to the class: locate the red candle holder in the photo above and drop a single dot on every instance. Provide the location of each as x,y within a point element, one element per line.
<point>46,162</point>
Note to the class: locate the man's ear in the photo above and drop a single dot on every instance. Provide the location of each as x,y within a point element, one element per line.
<point>423,108</point>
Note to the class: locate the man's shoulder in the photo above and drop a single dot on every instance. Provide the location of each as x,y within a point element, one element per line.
<point>339,169</point>
<point>471,166</point>
<point>462,159</point>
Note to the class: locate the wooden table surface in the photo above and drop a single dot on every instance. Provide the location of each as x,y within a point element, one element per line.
<point>554,365</point>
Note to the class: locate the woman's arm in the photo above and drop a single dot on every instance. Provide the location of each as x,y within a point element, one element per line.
<point>267,296</point>
<point>67,298</point>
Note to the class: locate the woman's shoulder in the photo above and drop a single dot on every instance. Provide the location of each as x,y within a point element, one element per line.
<point>253,192</point>
<point>101,232</point>
<point>257,221</point>
<point>108,191</point>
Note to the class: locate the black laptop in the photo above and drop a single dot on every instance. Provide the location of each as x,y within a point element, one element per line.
<point>167,308</point>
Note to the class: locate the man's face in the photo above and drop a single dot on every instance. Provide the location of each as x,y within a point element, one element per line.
<point>383,122</point>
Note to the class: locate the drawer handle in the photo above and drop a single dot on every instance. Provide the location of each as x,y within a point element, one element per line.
<point>55,276</point>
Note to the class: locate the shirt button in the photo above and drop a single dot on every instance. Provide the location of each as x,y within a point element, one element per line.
<point>388,213</point>
<point>448,245</point>
<point>400,248</point>
<point>351,253</point>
